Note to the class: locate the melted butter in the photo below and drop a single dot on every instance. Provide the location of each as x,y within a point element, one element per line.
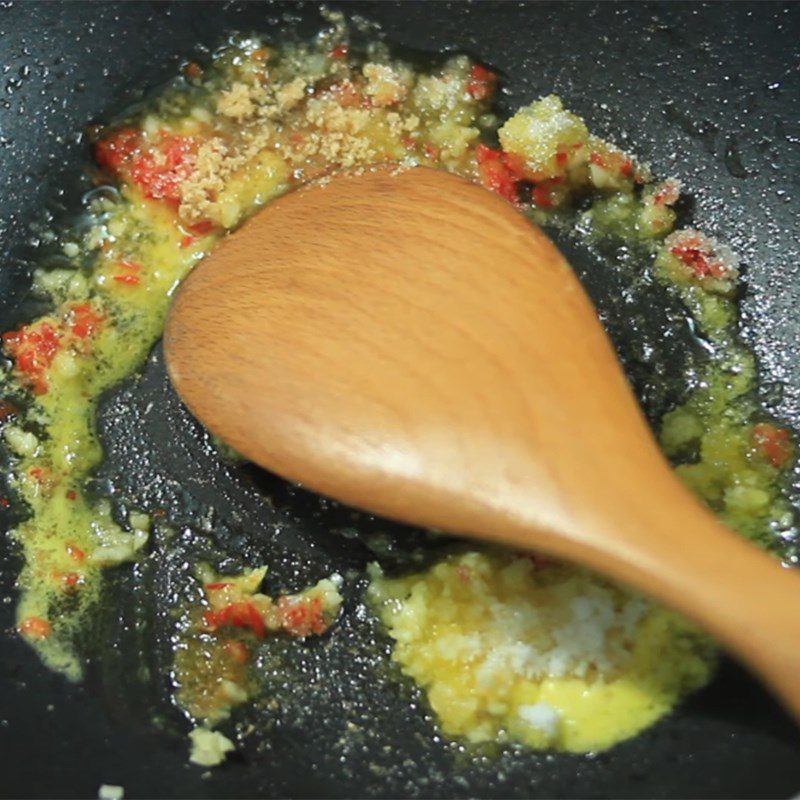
<point>550,656</point>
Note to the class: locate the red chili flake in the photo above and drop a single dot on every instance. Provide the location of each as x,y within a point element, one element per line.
<point>85,320</point>
<point>4,502</point>
<point>699,257</point>
<point>432,151</point>
<point>161,170</point>
<point>39,473</point>
<point>7,410</point>
<point>561,158</point>
<point>218,585</point>
<point>613,161</point>
<point>202,228</point>
<point>72,579</point>
<point>72,495</point>
<point>693,257</point>
<point>484,153</point>
<point>515,164</point>
<point>543,195</point>
<point>667,193</point>
<point>193,70</point>
<point>482,83</point>
<point>188,240</point>
<point>238,615</point>
<point>114,152</point>
<point>774,443</point>
<point>35,628</point>
<point>302,616</point>
<point>33,349</point>
<point>262,54</point>
<point>238,651</point>
<point>408,141</point>
<point>127,277</point>
<point>340,52</point>
<point>75,552</point>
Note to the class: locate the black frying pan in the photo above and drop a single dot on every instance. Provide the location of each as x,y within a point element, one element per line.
<point>706,92</point>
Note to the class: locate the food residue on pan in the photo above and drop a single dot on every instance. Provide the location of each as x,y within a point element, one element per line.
<point>507,646</point>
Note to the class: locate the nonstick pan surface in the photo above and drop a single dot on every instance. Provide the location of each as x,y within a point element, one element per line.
<point>708,93</point>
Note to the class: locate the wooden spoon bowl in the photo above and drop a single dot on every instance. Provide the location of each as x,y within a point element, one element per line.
<point>408,343</point>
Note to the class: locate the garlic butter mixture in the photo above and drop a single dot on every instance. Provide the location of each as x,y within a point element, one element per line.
<point>507,646</point>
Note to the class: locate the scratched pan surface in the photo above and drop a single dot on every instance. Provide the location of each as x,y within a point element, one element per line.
<point>707,93</point>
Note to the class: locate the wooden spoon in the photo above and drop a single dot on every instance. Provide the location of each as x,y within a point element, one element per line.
<point>408,343</point>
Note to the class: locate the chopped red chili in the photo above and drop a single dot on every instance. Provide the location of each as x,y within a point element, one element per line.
<point>667,193</point>
<point>193,70</point>
<point>161,169</point>
<point>482,82</point>
<point>340,52</point>
<point>699,258</point>
<point>499,172</point>
<point>72,579</point>
<point>114,152</point>
<point>35,628</point>
<point>76,553</point>
<point>302,616</point>
<point>33,349</point>
<point>85,321</point>
<point>774,443</point>
<point>128,279</point>
<point>202,228</point>
<point>613,161</point>
<point>237,615</point>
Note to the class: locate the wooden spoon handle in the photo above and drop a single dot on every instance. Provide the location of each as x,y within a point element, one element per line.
<point>741,595</point>
<point>745,598</point>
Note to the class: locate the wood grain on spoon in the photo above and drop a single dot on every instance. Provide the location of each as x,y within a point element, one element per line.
<point>411,345</point>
